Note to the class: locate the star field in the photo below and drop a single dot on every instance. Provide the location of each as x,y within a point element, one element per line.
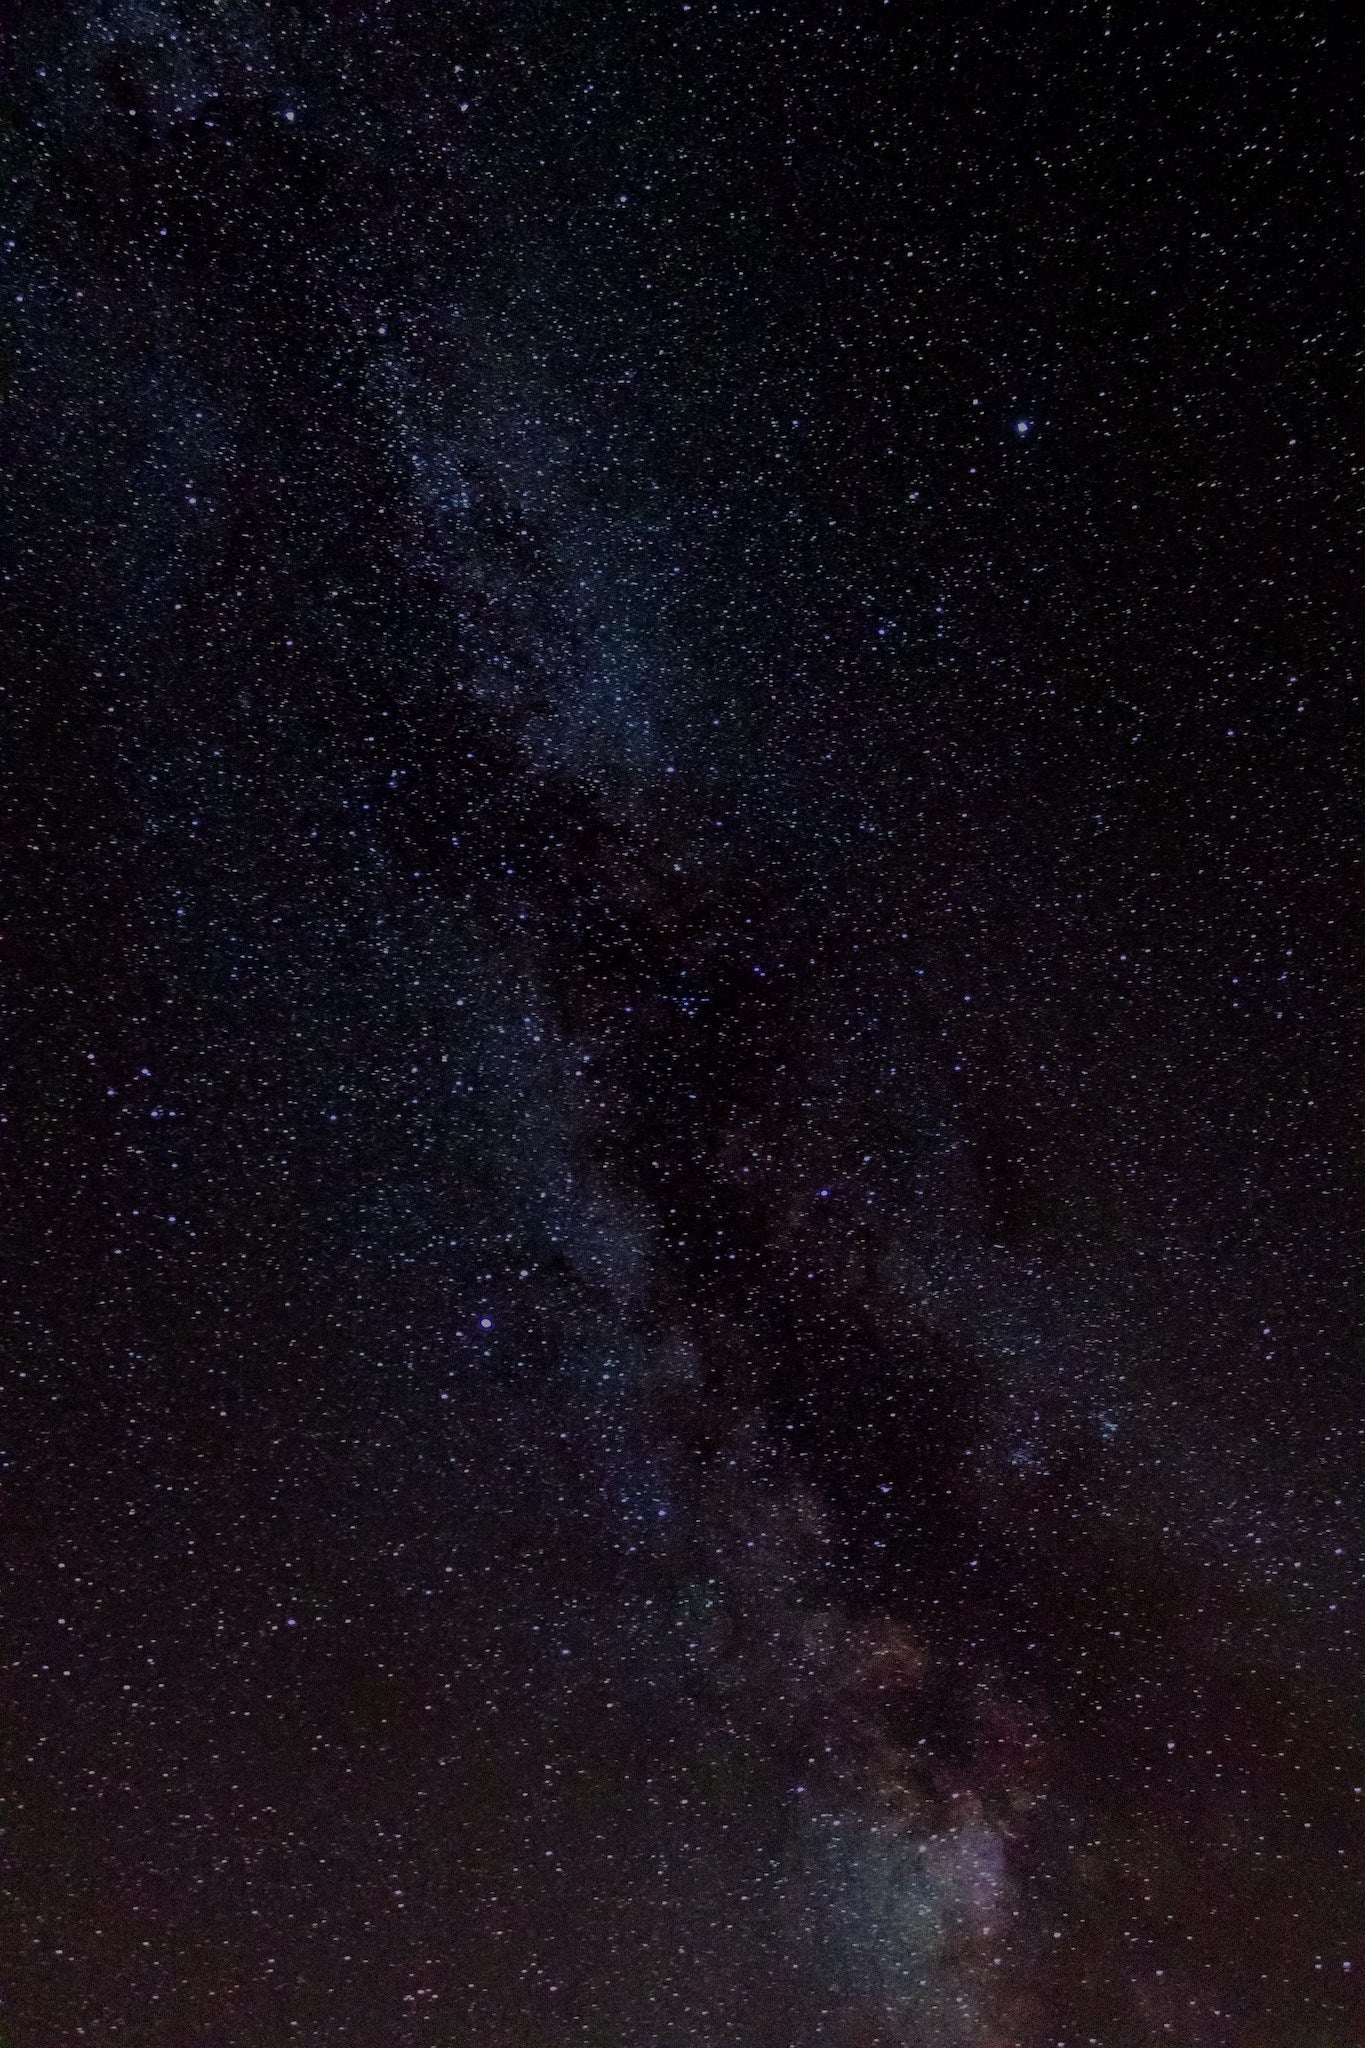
<point>681,1352</point>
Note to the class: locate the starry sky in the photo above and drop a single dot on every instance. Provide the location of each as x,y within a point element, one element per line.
<point>681,1344</point>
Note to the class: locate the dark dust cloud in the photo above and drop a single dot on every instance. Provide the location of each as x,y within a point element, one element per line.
<point>681,1347</point>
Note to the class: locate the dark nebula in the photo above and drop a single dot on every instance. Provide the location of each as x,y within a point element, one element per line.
<point>681,1343</point>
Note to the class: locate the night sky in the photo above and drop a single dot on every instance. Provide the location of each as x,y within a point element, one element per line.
<point>682,1345</point>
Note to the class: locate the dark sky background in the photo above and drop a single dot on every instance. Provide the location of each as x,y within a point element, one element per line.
<point>682,1350</point>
